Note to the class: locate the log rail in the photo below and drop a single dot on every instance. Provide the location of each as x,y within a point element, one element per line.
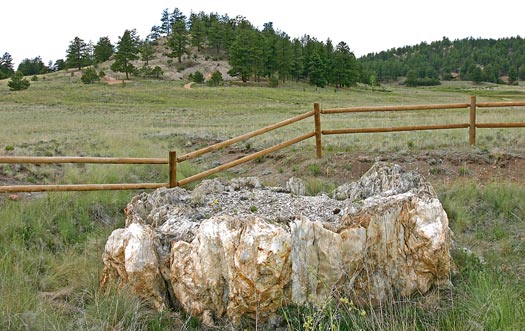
<point>317,113</point>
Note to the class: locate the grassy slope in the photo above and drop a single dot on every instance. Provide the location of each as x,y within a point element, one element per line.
<point>50,247</point>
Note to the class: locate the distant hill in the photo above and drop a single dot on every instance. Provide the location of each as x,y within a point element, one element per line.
<point>240,51</point>
<point>497,61</point>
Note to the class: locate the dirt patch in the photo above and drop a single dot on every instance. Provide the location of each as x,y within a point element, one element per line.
<point>112,80</point>
<point>439,167</point>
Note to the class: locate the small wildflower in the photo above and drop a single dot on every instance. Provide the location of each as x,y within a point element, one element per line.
<point>344,301</point>
<point>309,323</point>
<point>363,313</point>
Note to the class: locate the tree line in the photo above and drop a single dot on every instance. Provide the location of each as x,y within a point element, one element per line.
<point>467,59</point>
<point>270,54</point>
<point>256,54</point>
<point>253,54</point>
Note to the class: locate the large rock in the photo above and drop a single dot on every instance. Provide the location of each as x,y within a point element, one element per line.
<point>240,250</point>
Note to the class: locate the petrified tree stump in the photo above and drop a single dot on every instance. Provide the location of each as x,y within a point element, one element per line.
<point>243,250</point>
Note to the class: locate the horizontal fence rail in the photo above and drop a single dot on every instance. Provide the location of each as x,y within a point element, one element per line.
<point>80,187</point>
<point>318,132</point>
<point>245,159</point>
<point>394,108</point>
<point>243,137</point>
<point>80,159</point>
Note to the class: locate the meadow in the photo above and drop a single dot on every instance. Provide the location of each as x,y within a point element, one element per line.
<point>51,244</point>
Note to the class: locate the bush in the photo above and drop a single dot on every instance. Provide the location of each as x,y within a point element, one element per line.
<point>198,77</point>
<point>149,72</point>
<point>89,76</point>
<point>18,82</point>
<point>274,81</point>
<point>216,79</point>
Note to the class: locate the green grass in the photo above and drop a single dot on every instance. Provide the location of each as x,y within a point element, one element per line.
<point>51,246</point>
<point>147,118</point>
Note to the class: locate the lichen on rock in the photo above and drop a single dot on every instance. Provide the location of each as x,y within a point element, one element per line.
<point>241,250</point>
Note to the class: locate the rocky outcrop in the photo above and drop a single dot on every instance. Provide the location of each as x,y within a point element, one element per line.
<point>241,250</point>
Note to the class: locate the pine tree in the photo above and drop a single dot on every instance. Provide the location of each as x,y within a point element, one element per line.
<point>18,82</point>
<point>147,52</point>
<point>165,26</point>
<point>127,51</point>
<point>317,71</point>
<point>78,54</point>
<point>297,67</point>
<point>269,49</point>
<point>89,76</point>
<point>30,67</point>
<point>178,39</point>
<point>344,66</point>
<point>284,57</point>
<point>215,33</point>
<point>244,53</point>
<point>197,30</point>
<point>216,79</point>
<point>6,66</point>
<point>103,50</point>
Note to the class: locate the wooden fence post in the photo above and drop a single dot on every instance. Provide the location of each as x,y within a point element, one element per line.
<point>472,127</point>
<point>173,169</point>
<point>318,144</point>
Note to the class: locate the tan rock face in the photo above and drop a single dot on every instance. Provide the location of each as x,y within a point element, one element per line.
<point>241,250</point>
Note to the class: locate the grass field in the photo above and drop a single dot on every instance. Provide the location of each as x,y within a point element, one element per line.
<point>51,244</point>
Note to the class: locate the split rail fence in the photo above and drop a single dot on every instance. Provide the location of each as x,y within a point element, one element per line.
<point>173,159</point>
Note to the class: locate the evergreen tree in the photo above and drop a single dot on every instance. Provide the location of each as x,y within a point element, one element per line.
<point>216,79</point>
<point>344,71</point>
<point>30,67</point>
<point>197,30</point>
<point>78,54</point>
<point>244,53</point>
<point>269,49</point>
<point>103,50</point>
<point>89,76</point>
<point>147,52</point>
<point>284,57</point>
<point>60,64</point>
<point>316,71</point>
<point>198,77</point>
<point>476,75</point>
<point>297,65</point>
<point>18,82</point>
<point>6,66</point>
<point>411,79</point>
<point>513,75</point>
<point>166,23</point>
<point>178,39</point>
<point>127,51</point>
<point>215,33</point>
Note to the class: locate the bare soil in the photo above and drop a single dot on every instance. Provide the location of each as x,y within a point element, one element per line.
<point>439,167</point>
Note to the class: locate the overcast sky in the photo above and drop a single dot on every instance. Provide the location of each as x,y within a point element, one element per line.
<point>30,28</point>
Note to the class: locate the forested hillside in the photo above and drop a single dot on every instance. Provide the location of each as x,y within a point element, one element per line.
<point>266,53</point>
<point>489,60</point>
<point>255,53</point>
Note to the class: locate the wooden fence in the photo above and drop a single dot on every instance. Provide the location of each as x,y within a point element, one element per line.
<point>173,159</point>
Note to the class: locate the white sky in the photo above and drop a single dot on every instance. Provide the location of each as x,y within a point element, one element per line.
<point>45,28</point>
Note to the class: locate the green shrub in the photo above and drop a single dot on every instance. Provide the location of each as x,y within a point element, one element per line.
<point>198,77</point>
<point>274,81</point>
<point>89,76</point>
<point>216,79</point>
<point>18,82</point>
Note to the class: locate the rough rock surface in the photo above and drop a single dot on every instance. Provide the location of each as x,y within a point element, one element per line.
<point>243,250</point>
